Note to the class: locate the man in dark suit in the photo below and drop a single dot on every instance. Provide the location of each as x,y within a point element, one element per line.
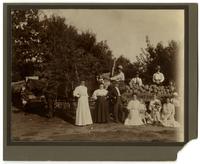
<point>115,101</point>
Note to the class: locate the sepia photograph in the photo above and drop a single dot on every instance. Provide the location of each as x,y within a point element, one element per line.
<point>97,75</point>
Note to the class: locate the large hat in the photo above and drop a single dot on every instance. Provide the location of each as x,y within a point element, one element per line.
<point>175,94</point>
<point>120,67</point>
<point>158,67</point>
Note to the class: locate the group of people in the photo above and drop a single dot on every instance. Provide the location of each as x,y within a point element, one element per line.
<point>108,106</point>
<point>107,103</point>
<point>158,78</point>
<point>155,114</point>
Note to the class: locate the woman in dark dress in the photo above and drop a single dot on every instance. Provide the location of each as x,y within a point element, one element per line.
<point>101,113</point>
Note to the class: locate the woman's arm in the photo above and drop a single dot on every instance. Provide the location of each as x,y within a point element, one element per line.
<point>94,96</point>
<point>129,106</point>
<point>150,106</point>
<point>173,111</point>
<point>76,92</point>
<point>154,80</point>
<point>162,77</point>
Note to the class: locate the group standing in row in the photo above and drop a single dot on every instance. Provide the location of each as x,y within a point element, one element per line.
<point>106,100</point>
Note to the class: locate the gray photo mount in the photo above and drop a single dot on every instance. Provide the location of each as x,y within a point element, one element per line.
<point>61,151</point>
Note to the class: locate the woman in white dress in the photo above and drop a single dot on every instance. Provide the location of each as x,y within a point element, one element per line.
<point>167,115</point>
<point>134,114</point>
<point>83,115</point>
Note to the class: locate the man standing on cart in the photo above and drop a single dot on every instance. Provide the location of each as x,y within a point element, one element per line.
<point>120,75</point>
<point>119,78</point>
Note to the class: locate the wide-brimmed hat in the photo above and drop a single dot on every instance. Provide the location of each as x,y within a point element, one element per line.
<point>114,82</point>
<point>158,67</point>
<point>119,67</point>
<point>175,94</point>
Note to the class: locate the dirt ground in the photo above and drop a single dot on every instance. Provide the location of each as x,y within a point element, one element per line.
<point>33,127</point>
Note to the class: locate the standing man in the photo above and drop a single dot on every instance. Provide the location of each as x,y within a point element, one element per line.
<point>83,115</point>
<point>120,75</point>
<point>119,78</point>
<point>115,101</point>
<point>158,77</point>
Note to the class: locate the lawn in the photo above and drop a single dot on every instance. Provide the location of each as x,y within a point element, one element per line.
<point>33,127</point>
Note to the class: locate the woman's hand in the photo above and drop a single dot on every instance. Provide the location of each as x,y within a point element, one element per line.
<point>77,95</point>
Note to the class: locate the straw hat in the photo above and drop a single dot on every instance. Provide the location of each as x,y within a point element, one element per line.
<point>175,94</point>
<point>120,67</point>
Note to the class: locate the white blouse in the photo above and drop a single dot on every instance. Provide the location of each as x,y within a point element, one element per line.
<point>158,77</point>
<point>133,105</point>
<point>136,80</point>
<point>118,77</point>
<point>99,92</point>
<point>80,91</point>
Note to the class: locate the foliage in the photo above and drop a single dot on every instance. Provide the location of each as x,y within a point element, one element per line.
<point>56,51</point>
<point>59,52</point>
<point>73,56</point>
<point>26,47</point>
<point>165,56</point>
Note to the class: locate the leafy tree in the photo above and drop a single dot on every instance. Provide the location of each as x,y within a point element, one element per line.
<point>70,56</point>
<point>165,56</point>
<point>26,54</point>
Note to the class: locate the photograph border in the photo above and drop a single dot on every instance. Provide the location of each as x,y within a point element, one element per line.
<point>191,95</point>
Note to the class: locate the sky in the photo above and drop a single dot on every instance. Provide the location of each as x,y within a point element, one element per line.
<point>125,30</point>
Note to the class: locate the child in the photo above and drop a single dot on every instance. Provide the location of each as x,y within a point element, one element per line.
<point>148,118</point>
<point>155,108</point>
<point>156,112</point>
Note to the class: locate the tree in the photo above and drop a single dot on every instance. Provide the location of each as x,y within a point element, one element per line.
<point>26,54</point>
<point>165,56</point>
<point>70,56</point>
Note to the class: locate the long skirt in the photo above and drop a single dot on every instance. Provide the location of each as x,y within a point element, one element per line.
<point>83,115</point>
<point>170,122</point>
<point>134,118</point>
<point>101,113</point>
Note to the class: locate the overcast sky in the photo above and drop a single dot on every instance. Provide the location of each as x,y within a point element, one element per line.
<point>125,30</point>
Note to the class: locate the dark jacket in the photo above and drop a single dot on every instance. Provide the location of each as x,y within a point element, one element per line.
<point>113,95</point>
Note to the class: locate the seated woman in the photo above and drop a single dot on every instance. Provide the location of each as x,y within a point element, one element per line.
<point>101,113</point>
<point>167,115</point>
<point>177,103</point>
<point>134,115</point>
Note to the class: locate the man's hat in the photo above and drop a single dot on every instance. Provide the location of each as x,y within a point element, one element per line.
<point>120,67</point>
<point>115,82</point>
<point>175,94</point>
<point>158,67</point>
